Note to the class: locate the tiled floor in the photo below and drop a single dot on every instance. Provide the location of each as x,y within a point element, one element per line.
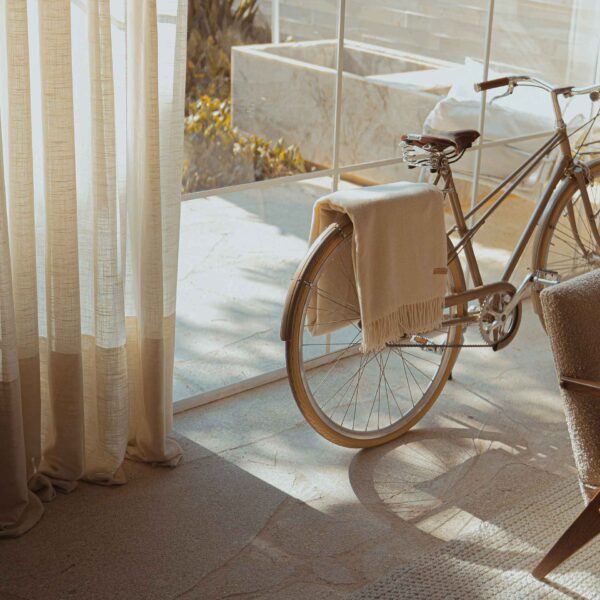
<point>264,508</point>
<point>496,433</point>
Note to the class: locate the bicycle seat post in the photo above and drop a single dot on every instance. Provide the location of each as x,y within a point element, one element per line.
<point>560,123</point>
<point>459,217</point>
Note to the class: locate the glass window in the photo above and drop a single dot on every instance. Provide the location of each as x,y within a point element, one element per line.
<point>255,109</point>
<point>400,60</point>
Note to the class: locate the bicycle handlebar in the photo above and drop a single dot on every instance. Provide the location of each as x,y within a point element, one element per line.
<point>510,80</point>
<point>491,84</point>
<point>593,91</point>
<point>513,80</point>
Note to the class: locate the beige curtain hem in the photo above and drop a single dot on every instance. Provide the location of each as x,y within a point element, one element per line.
<point>28,515</point>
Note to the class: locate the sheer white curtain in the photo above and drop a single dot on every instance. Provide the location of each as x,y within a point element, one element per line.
<point>91,108</point>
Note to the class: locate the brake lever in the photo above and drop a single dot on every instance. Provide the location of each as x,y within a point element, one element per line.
<point>509,90</point>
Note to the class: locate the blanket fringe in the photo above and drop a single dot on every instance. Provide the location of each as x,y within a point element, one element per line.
<point>409,319</point>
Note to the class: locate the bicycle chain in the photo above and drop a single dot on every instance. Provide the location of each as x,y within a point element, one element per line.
<point>423,347</point>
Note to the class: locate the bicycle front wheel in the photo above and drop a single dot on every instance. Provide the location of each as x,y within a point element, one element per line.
<point>354,399</point>
<point>566,242</point>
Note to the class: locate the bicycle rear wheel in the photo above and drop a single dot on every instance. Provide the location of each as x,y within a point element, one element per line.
<point>353,399</point>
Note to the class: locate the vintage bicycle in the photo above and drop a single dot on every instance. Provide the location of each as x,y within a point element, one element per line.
<point>360,400</point>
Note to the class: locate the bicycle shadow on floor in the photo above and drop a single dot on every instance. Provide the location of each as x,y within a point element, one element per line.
<point>452,482</point>
<point>433,476</point>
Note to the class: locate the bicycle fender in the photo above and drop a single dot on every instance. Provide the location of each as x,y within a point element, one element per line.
<point>302,276</point>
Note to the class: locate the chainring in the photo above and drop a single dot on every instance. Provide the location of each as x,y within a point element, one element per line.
<point>496,328</point>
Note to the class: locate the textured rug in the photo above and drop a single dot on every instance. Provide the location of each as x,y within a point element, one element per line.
<point>495,561</point>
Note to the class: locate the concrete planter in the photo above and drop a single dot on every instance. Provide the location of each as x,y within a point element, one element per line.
<point>288,90</point>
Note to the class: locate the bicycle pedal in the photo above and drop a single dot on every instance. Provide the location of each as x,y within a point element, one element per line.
<point>426,344</point>
<point>545,278</point>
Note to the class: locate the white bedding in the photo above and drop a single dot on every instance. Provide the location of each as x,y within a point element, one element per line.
<point>527,111</point>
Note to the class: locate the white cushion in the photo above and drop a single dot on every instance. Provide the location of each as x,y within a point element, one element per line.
<point>526,111</point>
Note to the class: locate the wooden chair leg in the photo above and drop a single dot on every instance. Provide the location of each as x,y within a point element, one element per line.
<point>585,527</point>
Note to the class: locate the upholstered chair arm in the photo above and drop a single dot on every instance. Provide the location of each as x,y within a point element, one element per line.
<point>580,385</point>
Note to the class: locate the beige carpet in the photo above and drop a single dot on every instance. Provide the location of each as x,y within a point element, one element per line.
<point>495,561</point>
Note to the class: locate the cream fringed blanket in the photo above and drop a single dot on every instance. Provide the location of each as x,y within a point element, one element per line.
<point>395,275</point>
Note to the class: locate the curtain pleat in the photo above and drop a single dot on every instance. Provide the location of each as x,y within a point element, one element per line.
<point>105,352</point>
<point>63,434</point>
<point>22,228</point>
<point>91,102</point>
<point>153,217</point>
<point>20,509</point>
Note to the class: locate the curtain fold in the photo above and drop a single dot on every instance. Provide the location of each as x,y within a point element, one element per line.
<point>91,106</point>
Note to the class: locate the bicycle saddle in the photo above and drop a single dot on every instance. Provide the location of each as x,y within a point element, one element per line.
<point>459,140</point>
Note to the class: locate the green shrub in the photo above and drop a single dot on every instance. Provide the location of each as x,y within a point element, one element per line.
<point>214,27</point>
<point>217,154</point>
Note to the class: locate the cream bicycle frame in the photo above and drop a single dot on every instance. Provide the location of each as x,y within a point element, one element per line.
<point>567,167</point>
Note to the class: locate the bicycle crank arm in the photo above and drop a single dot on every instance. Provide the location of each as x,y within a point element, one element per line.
<point>479,292</point>
<point>539,279</point>
<point>523,289</point>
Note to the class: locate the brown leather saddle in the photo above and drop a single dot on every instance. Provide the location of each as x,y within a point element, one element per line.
<point>458,140</point>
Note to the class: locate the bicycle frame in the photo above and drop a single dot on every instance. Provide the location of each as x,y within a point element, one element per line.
<point>567,166</point>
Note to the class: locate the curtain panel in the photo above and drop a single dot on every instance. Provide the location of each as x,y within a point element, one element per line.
<point>91,110</point>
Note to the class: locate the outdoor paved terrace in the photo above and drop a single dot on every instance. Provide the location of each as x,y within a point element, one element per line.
<point>238,253</point>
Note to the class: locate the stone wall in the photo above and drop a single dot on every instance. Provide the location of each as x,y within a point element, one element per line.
<point>536,35</point>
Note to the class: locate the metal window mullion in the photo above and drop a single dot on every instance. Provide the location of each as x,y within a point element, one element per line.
<point>275,22</point>
<point>483,109</point>
<point>337,111</point>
